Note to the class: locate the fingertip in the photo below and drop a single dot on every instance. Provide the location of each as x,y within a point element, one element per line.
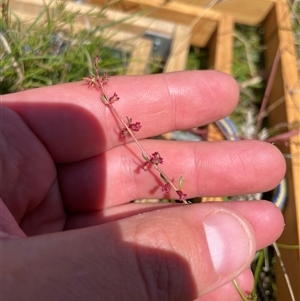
<point>203,95</point>
<point>265,218</point>
<point>271,157</point>
<point>278,157</point>
<point>224,89</point>
<point>229,86</point>
<point>269,219</point>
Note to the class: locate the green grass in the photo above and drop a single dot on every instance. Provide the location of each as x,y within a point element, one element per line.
<point>50,50</point>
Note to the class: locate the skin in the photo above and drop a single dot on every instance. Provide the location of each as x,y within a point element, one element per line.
<point>68,229</point>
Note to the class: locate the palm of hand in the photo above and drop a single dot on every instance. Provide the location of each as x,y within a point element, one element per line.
<point>65,167</point>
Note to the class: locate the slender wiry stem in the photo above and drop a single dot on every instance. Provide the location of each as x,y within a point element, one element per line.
<point>144,152</point>
<point>241,293</point>
<point>98,82</point>
<point>162,173</point>
<point>286,276</point>
<point>268,90</point>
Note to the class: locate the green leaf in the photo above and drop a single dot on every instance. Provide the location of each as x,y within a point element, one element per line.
<point>180,182</point>
<point>104,99</point>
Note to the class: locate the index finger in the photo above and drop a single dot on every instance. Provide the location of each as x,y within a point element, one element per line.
<point>74,124</point>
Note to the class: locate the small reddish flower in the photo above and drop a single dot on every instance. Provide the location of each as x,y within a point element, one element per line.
<point>135,126</point>
<point>166,188</point>
<point>156,158</point>
<point>182,196</point>
<point>113,98</point>
<point>124,132</point>
<point>145,165</point>
<point>98,81</point>
<point>105,78</point>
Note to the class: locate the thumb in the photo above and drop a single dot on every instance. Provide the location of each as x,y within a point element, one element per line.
<point>179,253</point>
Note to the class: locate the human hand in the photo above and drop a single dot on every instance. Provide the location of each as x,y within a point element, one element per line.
<point>68,229</point>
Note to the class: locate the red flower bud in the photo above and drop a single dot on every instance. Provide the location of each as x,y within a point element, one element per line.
<point>182,196</point>
<point>166,188</point>
<point>135,126</point>
<point>156,158</point>
<point>113,98</point>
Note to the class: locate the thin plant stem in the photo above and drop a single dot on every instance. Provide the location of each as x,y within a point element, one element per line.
<point>268,91</point>
<point>286,276</point>
<point>241,293</point>
<point>98,82</point>
<point>162,173</point>
<point>257,270</point>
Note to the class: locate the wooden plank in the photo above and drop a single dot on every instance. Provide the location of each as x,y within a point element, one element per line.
<point>183,13</point>
<point>201,21</point>
<point>220,58</point>
<point>140,57</point>
<point>278,34</point>
<point>202,24</point>
<point>243,11</point>
<point>221,46</point>
<point>135,24</point>
<point>179,49</point>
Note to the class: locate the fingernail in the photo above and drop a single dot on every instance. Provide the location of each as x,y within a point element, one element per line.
<point>229,240</point>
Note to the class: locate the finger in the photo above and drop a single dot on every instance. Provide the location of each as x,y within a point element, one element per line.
<point>28,183</point>
<point>88,219</point>
<point>74,124</point>
<point>176,254</point>
<point>208,169</point>
<point>245,282</point>
<point>259,213</point>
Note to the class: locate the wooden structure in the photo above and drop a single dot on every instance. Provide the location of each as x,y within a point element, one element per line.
<point>278,35</point>
<point>207,23</point>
